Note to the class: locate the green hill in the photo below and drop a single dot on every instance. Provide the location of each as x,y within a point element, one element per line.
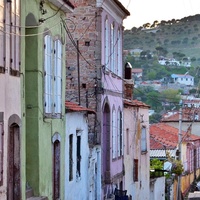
<point>176,38</point>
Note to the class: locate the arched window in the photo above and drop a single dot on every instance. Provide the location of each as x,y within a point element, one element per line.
<point>114,134</point>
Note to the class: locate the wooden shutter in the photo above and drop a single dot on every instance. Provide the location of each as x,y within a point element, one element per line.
<point>2,39</point>
<point>15,38</point>
<point>48,74</point>
<point>58,77</point>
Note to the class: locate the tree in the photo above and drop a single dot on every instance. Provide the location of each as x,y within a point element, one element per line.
<point>171,95</point>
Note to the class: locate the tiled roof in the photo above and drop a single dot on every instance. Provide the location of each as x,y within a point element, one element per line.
<point>73,107</point>
<point>164,136</point>
<point>136,70</point>
<point>135,103</point>
<point>188,114</point>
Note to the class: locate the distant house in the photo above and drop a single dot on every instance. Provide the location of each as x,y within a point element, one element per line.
<point>135,52</point>
<point>190,119</point>
<point>195,102</point>
<point>184,79</point>
<point>137,72</point>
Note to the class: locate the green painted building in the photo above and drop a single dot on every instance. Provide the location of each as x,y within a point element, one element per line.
<point>43,36</point>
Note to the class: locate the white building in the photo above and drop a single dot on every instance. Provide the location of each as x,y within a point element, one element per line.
<point>82,164</point>
<point>184,79</point>
<point>136,152</point>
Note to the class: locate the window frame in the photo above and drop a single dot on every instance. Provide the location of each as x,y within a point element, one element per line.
<point>53,66</point>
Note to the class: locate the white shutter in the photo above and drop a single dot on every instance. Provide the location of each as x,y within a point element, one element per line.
<point>106,43</point>
<point>143,140</point>
<point>119,55</point>
<point>1,36</point>
<point>58,76</point>
<point>118,132</point>
<point>48,74</point>
<point>114,134</point>
<point>112,47</point>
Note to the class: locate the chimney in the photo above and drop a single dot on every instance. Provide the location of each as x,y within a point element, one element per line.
<point>128,82</point>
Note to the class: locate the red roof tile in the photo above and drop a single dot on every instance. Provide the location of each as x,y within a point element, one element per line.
<point>135,103</point>
<point>165,136</point>
<point>188,114</point>
<point>73,107</point>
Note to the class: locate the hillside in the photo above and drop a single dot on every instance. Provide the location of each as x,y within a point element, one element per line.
<point>176,38</point>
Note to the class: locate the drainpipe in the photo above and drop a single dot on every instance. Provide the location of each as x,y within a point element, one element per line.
<point>78,66</point>
<point>179,148</point>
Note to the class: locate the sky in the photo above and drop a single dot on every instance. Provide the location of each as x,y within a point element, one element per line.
<point>147,11</point>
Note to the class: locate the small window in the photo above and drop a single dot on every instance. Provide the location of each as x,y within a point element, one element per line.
<point>70,157</point>
<point>78,159</point>
<point>143,140</point>
<point>127,141</point>
<point>135,170</point>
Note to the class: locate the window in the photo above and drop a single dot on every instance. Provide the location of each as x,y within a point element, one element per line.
<point>112,51</point>
<point>114,149</point>
<point>127,141</point>
<point>70,157</point>
<point>119,55</point>
<point>106,43</point>
<point>2,40</point>
<point>135,170</point>
<point>143,140</point>
<point>53,77</point>
<point>15,38</point>
<point>58,76</point>
<point>78,158</point>
<point>119,134</point>
<point>1,148</point>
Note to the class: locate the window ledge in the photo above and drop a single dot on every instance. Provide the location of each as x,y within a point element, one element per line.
<point>144,152</point>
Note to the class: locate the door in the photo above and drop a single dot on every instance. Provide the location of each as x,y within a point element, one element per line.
<point>56,170</point>
<point>14,178</point>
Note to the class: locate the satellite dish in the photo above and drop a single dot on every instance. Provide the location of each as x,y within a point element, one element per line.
<point>167,166</point>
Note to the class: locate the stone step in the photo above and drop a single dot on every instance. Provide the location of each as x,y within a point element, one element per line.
<point>29,193</point>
